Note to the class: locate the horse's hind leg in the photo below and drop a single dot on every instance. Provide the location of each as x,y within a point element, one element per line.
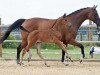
<point>18,54</point>
<point>19,49</point>
<point>38,45</point>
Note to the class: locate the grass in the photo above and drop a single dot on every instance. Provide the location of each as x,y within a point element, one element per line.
<point>50,54</point>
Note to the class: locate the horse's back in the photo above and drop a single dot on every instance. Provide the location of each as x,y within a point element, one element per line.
<point>38,23</point>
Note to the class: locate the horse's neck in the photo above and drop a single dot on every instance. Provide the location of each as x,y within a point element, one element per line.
<point>76,20</point>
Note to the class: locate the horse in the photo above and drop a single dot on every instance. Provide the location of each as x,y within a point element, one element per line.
<point>75,19</point>
<point>52,35</point>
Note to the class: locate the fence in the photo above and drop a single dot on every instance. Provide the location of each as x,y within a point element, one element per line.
<point>85,34</point>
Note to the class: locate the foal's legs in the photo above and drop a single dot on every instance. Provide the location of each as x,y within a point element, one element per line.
<point>30,55</point>
<point>63,46</point>
<point>19,49</point>
<point>38,45</point>
<point>30,44</point>
<point>23,45</point>
<point>23,53</point>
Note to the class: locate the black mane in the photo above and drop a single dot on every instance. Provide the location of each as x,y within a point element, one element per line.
<point>77,11</point>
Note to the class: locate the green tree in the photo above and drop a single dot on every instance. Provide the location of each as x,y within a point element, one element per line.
<point>10,44</point>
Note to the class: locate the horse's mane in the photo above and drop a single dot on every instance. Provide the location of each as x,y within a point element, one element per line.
<point>77,11</point>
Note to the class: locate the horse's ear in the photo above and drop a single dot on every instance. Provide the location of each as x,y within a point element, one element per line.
<point>95,6</point>
<point>64,15</point>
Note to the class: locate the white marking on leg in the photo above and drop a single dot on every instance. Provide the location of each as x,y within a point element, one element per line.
<point>30,55</point>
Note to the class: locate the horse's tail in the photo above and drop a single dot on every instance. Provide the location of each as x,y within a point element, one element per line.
<point>16,24</point>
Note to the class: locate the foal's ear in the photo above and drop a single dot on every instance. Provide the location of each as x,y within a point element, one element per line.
<point>64,15</point>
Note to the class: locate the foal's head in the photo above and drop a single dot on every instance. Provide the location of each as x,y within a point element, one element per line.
<point>62,20</point>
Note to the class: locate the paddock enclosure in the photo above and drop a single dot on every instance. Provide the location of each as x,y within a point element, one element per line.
<point>36,67</point>
<point>56,68</point>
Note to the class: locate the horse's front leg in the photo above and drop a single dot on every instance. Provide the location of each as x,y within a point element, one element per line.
<point>63,56</point>
<point>63,46</point>
<point>75,43</point>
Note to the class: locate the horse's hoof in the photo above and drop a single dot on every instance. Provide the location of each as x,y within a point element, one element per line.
<point>65,64</point>
<point>18,62</point>
<point>70,59</point>
<point>48,65</point>
<point>80,61</point>
<point>29,59</point>
<point>21,63</point>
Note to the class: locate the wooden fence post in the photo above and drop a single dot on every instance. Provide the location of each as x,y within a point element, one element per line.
<point>80,36</point>
<point>0,44</point>
<point>90,33</point>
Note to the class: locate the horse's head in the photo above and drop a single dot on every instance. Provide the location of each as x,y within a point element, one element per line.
<point>93,15</point>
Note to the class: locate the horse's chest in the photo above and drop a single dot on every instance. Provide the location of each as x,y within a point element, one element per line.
<point>70,36</point>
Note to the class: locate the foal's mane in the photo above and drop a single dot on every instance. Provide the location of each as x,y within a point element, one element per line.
<point>77,11</point>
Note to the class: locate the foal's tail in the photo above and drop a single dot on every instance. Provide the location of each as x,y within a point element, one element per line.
<point>16,24</point>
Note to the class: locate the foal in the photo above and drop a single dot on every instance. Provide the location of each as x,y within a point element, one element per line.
<point>47,35</point>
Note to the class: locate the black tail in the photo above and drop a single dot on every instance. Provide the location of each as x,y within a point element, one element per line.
<point>16,24</point>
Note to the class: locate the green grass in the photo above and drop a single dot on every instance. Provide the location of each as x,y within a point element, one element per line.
<point>50,54</point>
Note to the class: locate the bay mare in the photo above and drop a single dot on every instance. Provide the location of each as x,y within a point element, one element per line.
<point>75,19</point>
<point>52,35</point>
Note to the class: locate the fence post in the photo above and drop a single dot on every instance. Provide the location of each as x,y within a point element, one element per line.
<point>0,44</point>
<point>80,34</point>
<point>90,33</point>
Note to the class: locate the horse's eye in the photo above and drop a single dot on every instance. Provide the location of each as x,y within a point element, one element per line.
<point>65,20</point>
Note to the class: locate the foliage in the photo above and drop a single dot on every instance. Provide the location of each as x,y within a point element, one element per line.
<point>49,46</point>
<point>10,44</point>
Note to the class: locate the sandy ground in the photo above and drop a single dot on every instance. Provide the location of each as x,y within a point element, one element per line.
<point>56,68</point>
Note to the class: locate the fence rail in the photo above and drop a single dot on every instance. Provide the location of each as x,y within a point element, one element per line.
<point>89,35</point>
<point>78,41</point>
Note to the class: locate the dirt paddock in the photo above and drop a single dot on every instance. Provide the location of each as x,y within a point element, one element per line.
<point>56,68</point>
